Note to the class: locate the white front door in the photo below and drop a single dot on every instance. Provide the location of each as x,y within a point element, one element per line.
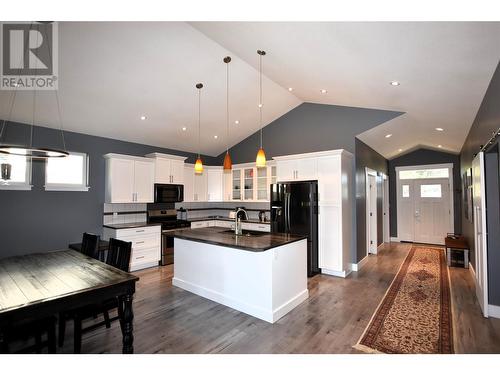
<point>372,207</point>
<point>479,214</point>
<point>424,204</point>
<point>432,210</point>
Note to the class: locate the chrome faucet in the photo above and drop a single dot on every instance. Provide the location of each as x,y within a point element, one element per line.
<point>237,221</point>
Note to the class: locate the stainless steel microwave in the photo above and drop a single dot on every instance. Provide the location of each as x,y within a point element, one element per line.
<point>169,193</point>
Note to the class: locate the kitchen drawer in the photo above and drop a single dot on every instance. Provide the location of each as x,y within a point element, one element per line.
<point>256,227</point>
<point>200,224</point>
<point>120,233</point>
<point>144,242</point>
<point>224,224</point>
<point>144,256</point>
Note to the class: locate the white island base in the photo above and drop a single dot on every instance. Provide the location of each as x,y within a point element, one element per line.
<point>265,284</point>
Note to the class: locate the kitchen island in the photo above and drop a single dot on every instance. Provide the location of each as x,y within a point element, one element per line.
<point>261,274</point>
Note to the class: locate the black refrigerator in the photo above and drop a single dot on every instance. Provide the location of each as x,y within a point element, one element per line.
<point>294,210</point>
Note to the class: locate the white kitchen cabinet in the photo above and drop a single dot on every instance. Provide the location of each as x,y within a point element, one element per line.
<point>169,169</point>
<point>200,224</point>
<point>188,183</point>
<point>228,186</point>
<point>252,184</point>
<point>200,187</point>
<point>224,224</point>
<point>129,179</point>
<point>215,184</point>
<point>300,168</point>
<point>259,227</point>
<point>333,171</point>
<point>146,244</point>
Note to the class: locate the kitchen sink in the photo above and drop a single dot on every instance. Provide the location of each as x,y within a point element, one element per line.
<point>246,233</point>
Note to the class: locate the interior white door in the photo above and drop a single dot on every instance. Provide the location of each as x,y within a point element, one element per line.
<point>385,206</point>
<point>433,219</point>
<point>372,207</point>
<point>479,214</point>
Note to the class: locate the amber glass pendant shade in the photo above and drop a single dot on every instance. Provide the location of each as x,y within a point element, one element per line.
<point>228,163</point>
<point>260,161</point>
<point>198,166</point>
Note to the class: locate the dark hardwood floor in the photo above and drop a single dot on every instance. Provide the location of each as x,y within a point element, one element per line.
<point>171,320</point>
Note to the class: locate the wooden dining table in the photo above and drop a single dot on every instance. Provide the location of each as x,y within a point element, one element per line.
<point>41,285</point>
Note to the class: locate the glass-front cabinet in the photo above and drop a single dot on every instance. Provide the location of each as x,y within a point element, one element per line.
<point>251,183</point>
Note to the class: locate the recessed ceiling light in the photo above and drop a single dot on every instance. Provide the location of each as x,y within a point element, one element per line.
<point>388,135</point>
<point>260,105</point>
<point>216,136</point>
<point>400,150</point>
<point>184,128</point>
<point>439,129</point>
<point>440,146</point>
<point>143,117</point>
<point>290,89</point>
<point>237,122</point>
<point>324,91</point>
<point>395,83</point>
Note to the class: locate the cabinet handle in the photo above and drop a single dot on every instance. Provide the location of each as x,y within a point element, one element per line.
<point>139,231</point>
<point>138,243</point>
<point>140,257</point>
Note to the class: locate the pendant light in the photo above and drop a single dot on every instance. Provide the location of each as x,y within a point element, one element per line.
<point>228,164</point>
<point>198,166</point>
<point>29,150</point>
<point>260,161</point>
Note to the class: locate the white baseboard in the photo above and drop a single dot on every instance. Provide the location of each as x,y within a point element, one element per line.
<point>494,311</point>
<point>357,266</point>
<point>344,274</point>
<point>394,239</point>
<point>268,315</point>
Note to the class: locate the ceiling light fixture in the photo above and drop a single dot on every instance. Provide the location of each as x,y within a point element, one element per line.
<point>216,136</point>
<point>290,89</point>
<point>439,129</point>
<point>143,117</point>
<point>184,128</point>
<point>236,122</point>
<point>29,150</point>
<point>395,83</point>
<point>400,150</point>
<point>228,163</point>
<point>260,160</point>
<point>198,166</point>
<point>440,146</point>
<point>323,91</point>
<point>388,135</point>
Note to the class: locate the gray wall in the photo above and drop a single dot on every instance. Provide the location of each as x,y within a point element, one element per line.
<point>39,220</point>
<point>311,127</point>
<point>366,157</point>
<point>318,127</point>
<point>486,122</point>
<point>422,157</point>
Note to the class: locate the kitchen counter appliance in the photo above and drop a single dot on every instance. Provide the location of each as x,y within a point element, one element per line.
<point>169,224</point>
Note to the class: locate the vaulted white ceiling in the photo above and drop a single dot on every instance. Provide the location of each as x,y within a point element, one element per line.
<point>443,68</point>
<point>111,73</point>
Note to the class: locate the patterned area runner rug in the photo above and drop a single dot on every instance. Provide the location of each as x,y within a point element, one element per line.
<point>415,314</point>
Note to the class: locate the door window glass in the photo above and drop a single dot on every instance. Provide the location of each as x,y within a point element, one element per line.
<point>406,191</point>
<point>430,191</point>
<point>424,173</point>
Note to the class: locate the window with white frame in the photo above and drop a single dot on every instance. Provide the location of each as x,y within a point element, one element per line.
<point>67,174</point>
<point>20,172</point>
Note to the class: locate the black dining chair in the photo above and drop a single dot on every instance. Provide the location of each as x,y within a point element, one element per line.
<point>118,256</point>
<point>90,245</point>
<point>18,334</point>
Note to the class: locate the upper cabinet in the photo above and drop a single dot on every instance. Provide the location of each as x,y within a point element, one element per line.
<point>296,169</point>
<point>215,184</point>
<point>169,169</point>
<point>129,179</point>
<point>252,184</point>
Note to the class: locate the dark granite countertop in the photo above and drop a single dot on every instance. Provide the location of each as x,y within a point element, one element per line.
<point>222,218</point>
<point>219,236</point>
<point>130,225</point>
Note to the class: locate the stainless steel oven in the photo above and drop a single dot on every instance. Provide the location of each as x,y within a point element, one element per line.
<point>169,193</point>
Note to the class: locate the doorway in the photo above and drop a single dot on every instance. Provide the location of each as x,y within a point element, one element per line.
<point>371,211</point>
<point>425,203</point>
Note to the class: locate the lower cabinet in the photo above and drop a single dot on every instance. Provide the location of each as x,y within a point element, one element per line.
<point>146,244</point>
<point>264,227</point>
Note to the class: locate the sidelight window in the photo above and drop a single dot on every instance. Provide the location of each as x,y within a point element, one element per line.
<point>406,191</point>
